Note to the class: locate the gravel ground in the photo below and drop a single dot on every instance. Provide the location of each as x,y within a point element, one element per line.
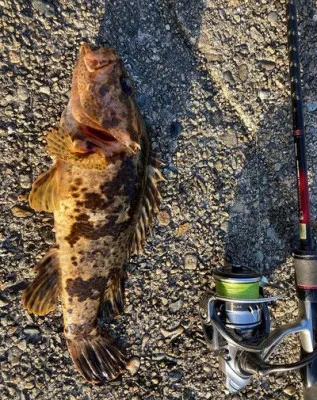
<point>212,84</point>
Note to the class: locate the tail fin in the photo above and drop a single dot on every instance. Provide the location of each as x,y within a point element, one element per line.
<point>98,359</point>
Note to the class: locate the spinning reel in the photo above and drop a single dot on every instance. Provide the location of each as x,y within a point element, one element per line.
<point>236,324</point>
<point>235,314</point>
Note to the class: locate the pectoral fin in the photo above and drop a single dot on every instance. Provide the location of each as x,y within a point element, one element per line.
<point>40,297</point>
<point>77,151</point>
<point>44,195</point>
<point>149,208</point>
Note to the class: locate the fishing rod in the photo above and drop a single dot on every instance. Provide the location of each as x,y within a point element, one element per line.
<point>235,313</point>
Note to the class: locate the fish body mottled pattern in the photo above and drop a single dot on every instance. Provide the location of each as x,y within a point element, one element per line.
<point>103,192</point>
<point>94,227</point>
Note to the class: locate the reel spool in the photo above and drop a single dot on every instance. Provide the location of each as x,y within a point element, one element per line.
<point>238,283</point>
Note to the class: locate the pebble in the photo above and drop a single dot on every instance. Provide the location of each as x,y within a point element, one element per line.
<point>3,302</point>
<point>228,77</point>
<point>268,65</point>
<point>243,72</point>
<point>31,331</point>
<point>45,90</point>
<point>311,106</point>
<point>22,345</point>
<point>176,306</point>
<point>264,94</point>
<point>176,375</point>
<point>290,390</point>
<point>164,218</point>
<point>183,228</point>
<point>172,334</point>
<point>145,340</point>
<point>21,212</point>
<point>175,129</point>
<point>273,17</point>
<point>25,181</point>
<point>133,365</point>
<point>190,262</point>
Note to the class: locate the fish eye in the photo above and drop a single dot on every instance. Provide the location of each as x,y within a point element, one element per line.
<point>126,86</point>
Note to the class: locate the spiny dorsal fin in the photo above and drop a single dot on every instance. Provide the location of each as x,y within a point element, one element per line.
<point>77,152</point>
<point>149,208</point>
<point>40,297</point>
<point>44,195</point>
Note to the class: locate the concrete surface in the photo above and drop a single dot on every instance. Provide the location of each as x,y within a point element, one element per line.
<point>212,84</point>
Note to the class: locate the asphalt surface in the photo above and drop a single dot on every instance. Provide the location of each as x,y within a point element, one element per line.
<point>212,85</point>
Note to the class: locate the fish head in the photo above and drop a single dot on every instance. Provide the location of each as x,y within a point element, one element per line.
<point>103,100</point>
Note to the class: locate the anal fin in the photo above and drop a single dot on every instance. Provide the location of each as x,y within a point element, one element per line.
<point>40,297</point>
<point>44,195</point>
<point>149,208</point>
<point>115,290</point>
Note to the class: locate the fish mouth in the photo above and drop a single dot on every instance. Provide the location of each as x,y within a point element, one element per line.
<point>107,141</point>
<point>97,59</point>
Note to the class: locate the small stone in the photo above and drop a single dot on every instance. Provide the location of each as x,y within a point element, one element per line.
<point>145,340</point>
<point>133,365</point>
<point>31,331</point>
<point>163,218</point>
<point>273,17</point>
<point>243,72</point>
<point>290,390</point>
<point>21,212</point>
<point>167,27</point>
<point>3,303</point>
<point>14,57</point>
<point>311,106</point>
<point>255,34</point>
<point>172,334</point>
<point>176,375</point>
<point>164,301</point>
<point>175,129</point>
<point>28,385</point>
<point>182,229</point>
<point>176,306</point>
<point>268,65</point>
<point>22,345</point>
<point>45,90</point>
<point>264,94</point>
<point>190,262</point>
<point>25,181</point>
<point>228,77</point>
<point>188,394</point>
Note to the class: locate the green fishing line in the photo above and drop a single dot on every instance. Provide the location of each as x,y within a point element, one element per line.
<point>248,290</point>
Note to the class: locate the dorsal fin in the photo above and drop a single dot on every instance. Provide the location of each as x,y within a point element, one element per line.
<point>149,207</point>
<point>78,152</point>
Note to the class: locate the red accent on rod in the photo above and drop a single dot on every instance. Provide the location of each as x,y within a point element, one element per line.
<point>307,287</point>
<point>298,132</point>
<point>304,200</point>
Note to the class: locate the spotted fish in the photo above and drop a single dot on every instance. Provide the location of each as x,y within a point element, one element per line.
<point>103,192</point>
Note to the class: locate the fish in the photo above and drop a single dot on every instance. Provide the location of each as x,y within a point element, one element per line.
<point>103,191</point>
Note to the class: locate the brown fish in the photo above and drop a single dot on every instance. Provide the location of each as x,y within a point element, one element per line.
<point>103,192</point>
